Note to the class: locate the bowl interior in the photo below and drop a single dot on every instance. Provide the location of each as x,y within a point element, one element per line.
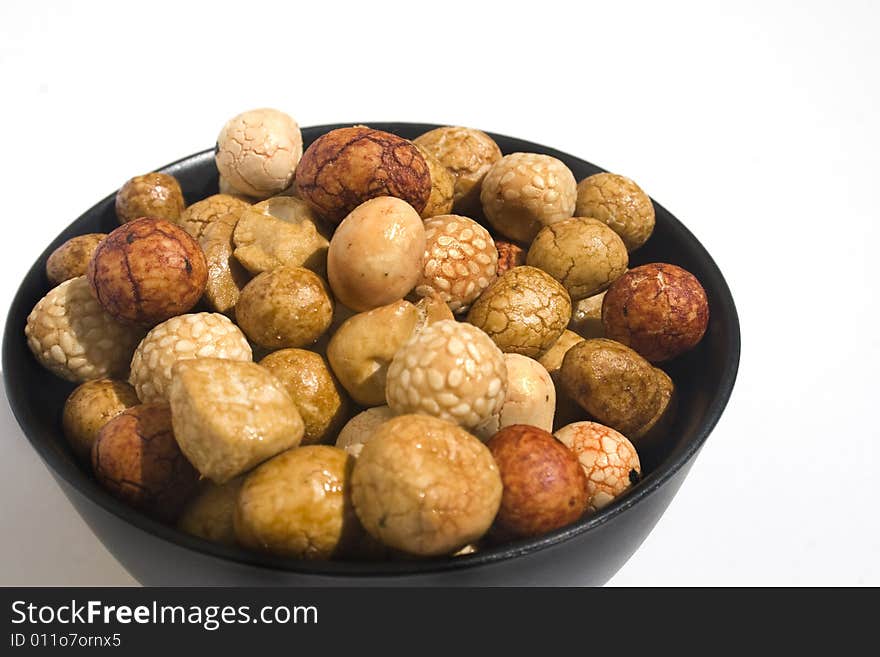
<point>704,377</point>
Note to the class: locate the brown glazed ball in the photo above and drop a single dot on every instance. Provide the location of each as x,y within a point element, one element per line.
<point>659,310</point>
<point>617,201</point>
<point>524,312</point>
<point>315,391</point>
<point>151,195</point>
<point>509,256</point>
<point>137,459</point>
<point>348,166</point>
<point>613,384</point>
<point>585,255</point>
<point>72,258</point>
<point>89,407</point>
<point>545,486</point>
<point>148,271</point>
<point>468,154</point>
<point>285,307</point>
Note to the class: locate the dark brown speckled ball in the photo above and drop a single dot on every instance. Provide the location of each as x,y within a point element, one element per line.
<point>147,271</point>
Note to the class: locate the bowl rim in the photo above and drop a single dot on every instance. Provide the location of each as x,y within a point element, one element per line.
<point>71,473</point>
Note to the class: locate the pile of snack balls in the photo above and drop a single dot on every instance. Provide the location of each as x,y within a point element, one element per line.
<point>377,348</point>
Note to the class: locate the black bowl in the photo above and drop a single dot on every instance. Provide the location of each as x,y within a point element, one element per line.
<point>588,552</point>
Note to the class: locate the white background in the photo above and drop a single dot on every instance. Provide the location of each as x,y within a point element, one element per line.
<point>756,123</point>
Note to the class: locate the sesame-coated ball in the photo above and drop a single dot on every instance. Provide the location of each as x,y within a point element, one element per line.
<point>618,202</point>
<point>73,337</point>
<point>523,192</point>
<point>460,260</point>
<point>658,309</point>
<point>609,460</point>
<point>467,154</point>
<point>197,335</point>
<point>450,370</point>
<point>147,271</point>
<point>258,151</point>
<point>150,195</point>
<point>425,486</point>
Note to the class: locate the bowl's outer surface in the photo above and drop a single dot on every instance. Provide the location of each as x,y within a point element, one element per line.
<point>588,552</point>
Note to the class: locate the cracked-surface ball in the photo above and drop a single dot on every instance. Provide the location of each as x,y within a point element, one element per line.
<point>136,458</point>
<point>619,202</point>
<point>147,271</point>
<point>425,486</point>
<point>347,166</point>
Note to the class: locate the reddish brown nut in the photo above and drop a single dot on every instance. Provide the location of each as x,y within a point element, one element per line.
<point>72,258</point>
<point>509,256</point>
<point>348,166</point>
<point>151,195</point>
<point>659,310</point>
<point>545,486</point>
<point>147,271</point>
<point>137,459</point>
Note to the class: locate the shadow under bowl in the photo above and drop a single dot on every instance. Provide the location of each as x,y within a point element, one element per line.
<point>588,552</point>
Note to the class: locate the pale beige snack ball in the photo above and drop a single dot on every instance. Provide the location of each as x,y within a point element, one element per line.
<point>442,186</point>
<point>450,370</point>
<point>210,513</point>
<point>523,192</point>
<point>258,150</point>
<point>619,202</point>
<point>222,208</point>
<point>583,254</point>
<point>73,337</point>
<point>425,486</point>
<point>89,407</point>
<point>468,154</point>
<point>530,399</point>
<point>375,255</point>
<point>609,460</point>
<point>298,505</point>
<point>196,335</point>
<point>359,429</point>
<point>460,260</point>
<point>228,416</point>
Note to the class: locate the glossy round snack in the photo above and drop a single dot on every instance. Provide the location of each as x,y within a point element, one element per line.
<point>545,486</point>
<point>89,407</point>
<point>442,187</point>
<point>425,486</point>
<point>524,311</point>
<point>375,255</point>
<point>210,512</point>
<point>137,459</point>
<point>147,271</point>
<point>450,370</point>
<point>298,504</point>
<point>659,310</point>
<point>460,260</point>
<point>150,195</point>
<point>523,192</point>
<point>530,398</point>
<point>360,429</point>
<point>585,255</point>
<point>608,459</point>
<point>73,337</point>
<point>284,307</point>
<point>619,202</point>
<point>197,335</point>
<point>219,208</point>
<point>319,398</point>
<point>71,259</point>
<point>230,415</point>
<point>613,384</point>
<point>258,151</point>
<point>347,166</point>
<point>467,154</point>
